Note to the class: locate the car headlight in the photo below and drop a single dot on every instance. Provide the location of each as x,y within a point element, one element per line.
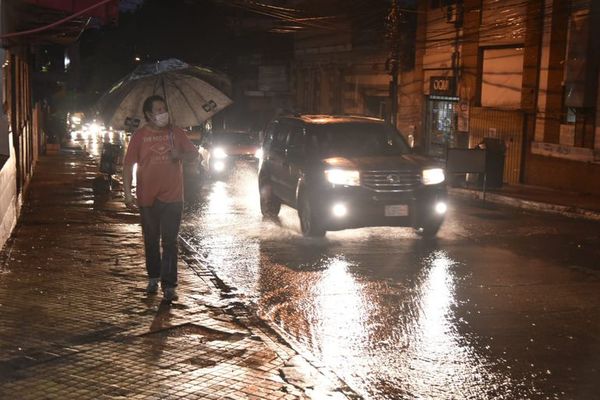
<point>343,177</point>
<point>219,153</point>
<point>219,166</point>
<point>259,154</point>
<point>433,176</point>
<point>95,128</point>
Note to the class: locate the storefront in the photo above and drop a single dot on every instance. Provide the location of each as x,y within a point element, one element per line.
<point>442,118</point>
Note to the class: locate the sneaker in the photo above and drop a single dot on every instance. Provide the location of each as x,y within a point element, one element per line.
<point>170,294</point>
<point>152,287</point>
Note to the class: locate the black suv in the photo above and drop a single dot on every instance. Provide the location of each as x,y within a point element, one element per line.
<point>344,172</point>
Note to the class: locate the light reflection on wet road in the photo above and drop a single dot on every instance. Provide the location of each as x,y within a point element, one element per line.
<point>91,138</point>
<point>490,310</point>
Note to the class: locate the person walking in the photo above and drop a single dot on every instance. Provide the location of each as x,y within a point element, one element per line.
<point>158,149</point>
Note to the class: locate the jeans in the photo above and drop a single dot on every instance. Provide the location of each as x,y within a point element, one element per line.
<point>161,222</point>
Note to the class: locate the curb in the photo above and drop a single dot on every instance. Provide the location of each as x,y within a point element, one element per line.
<point>557,209</point>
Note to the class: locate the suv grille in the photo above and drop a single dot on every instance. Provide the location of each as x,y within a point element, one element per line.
<point>390,181</point>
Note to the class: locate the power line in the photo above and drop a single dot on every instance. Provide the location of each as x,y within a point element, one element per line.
<point>56,23</point>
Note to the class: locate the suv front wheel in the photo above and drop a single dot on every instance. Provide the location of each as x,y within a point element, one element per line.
<point>309,222</point>
<point>269,203</point>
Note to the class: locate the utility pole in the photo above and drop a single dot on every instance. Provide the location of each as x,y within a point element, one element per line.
<point>394,36</point>
<point>457,10</point>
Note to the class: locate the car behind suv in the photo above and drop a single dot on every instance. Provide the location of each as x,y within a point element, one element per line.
<point>219,151</point>
<point>348,172</point>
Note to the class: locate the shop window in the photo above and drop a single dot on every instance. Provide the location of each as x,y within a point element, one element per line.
<point>502,78</point>
<point>442,127</point>
<point>581,123</point>
<point>579,73</point>
<point>570,115</point>
<point>579,79</point>
<point>577,125</point>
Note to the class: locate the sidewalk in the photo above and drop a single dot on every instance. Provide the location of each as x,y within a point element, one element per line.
<point>569,204</point>
<point>75,322</point>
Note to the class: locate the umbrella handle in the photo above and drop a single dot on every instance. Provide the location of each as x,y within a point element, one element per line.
<point>171,139</point>
<point>172,144</point>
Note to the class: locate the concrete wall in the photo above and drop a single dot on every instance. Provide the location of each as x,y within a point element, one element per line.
<point>8,168</point>
<point>597,132</point>
<point>8,193</point>
<point>20,131</point>
<point>573,176</point>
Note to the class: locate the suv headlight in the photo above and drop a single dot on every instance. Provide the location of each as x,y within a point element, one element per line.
<point>343,177</point>
<point>433,176</point>
<point>219,153</point>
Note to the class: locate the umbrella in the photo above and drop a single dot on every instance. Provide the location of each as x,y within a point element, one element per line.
<point>189,91</point>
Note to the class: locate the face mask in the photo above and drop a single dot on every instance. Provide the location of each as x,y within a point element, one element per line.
<point>161,119</point>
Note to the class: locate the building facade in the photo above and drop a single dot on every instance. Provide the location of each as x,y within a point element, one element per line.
<point>22,115</point>
<point>341,66</point>
<point>8,165</point>
<point>20,135</point>
<point>525,72</point>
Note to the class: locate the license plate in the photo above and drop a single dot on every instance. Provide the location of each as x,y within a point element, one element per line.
<point>398,210</point>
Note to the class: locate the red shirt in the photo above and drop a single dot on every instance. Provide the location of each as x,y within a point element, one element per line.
<point>158,175</point>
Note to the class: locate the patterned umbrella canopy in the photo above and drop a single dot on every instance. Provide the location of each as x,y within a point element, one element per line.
<point>189,91</point>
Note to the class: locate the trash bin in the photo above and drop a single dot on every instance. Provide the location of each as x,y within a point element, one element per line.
<point>495,151</point>
<point>110,158</point>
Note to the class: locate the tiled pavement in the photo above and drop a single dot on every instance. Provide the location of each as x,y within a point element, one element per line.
<point>75,322</point>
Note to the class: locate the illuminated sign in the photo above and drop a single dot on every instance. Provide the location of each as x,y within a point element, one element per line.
<point>441,86</point>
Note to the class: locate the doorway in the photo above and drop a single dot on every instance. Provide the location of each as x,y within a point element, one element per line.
<point>441,132</point>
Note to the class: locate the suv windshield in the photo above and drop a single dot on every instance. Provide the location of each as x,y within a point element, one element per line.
<point>356,140</point>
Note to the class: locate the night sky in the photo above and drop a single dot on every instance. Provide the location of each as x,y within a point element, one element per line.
<point>198,32</point>
<point>228,36</point>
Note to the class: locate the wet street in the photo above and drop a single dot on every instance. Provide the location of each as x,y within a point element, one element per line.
<point>122,119</point>
<point>504,304</point>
